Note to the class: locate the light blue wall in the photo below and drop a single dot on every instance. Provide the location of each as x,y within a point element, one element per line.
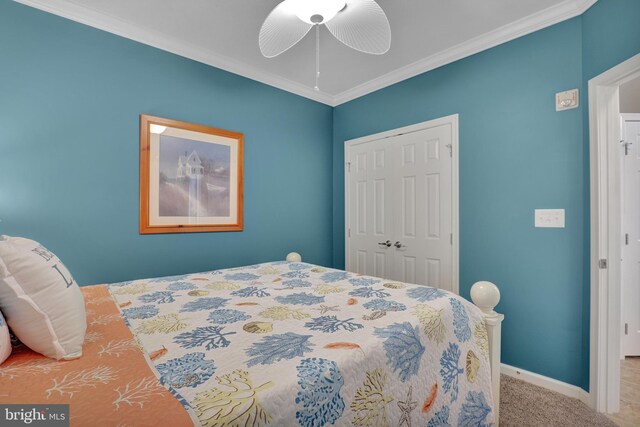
<point>70,100</point>
<point>516,154</point>
<point>611,35</point>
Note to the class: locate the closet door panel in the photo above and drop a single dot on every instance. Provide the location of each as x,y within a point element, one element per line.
<point>370,206</point>
<point>423,248</point>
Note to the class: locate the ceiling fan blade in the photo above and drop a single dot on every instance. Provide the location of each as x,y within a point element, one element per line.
<point>281,30</point>
<point>362,26</point>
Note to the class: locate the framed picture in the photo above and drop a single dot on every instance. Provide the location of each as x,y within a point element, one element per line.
<point>190,177</point>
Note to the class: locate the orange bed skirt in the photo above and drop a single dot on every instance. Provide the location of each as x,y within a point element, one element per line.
<point>111,384</point>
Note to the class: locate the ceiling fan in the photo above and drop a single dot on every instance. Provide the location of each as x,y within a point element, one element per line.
<point>360,24</point>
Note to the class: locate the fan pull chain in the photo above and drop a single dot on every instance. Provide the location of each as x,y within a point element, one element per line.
<point>317,88</point>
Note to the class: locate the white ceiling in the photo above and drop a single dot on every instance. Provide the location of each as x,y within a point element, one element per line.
<point>426,34</point>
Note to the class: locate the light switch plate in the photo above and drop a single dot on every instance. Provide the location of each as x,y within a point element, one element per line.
<point>549,218</point>
<point>567,100</point>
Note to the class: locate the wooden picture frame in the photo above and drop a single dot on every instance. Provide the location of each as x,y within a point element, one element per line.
<point>191,177</point>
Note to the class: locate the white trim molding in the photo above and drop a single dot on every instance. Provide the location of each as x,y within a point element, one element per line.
<point>111,24</point>
<point>560,12</point>
<point>546,382</point>
<point>537,21</point>
<point>604,152</point>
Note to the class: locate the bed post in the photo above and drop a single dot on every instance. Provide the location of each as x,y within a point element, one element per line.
<point>486,296</point>
<point>294,257</point>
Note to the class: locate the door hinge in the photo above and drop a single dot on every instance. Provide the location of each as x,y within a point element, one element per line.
<point>602,264</point>
<point>451,238</point>
<point>626,329</point>
<point>626,239</point>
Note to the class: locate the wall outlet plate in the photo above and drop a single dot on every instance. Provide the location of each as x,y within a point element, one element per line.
<point>567,100</point>
<point>549,218</point>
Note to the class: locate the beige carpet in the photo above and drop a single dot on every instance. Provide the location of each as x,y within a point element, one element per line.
<point>526,405</point>
<point>629,415</point>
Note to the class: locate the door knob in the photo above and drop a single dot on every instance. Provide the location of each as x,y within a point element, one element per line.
<point>399,245</point>
<point>387,243</point>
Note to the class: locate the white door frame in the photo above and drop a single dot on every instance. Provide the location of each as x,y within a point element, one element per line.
<point>604,131</point>
<point>455,225</point>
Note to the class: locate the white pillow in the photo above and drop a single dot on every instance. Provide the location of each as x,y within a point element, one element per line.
<point>5,340</point>
<point>42,303</point>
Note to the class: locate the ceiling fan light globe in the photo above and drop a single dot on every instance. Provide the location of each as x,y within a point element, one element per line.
<point>305,10</point>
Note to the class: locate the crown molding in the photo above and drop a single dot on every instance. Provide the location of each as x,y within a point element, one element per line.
<point>130,31</point>
<point>537,21</point>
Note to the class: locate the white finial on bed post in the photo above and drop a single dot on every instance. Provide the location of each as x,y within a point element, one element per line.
<point>294,257</point>
<point>486,296</point>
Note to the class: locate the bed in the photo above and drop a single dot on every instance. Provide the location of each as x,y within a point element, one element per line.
<point>280,343</point>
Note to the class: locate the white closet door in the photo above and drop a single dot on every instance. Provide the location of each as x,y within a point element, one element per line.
<point>631,238</point>
<point>370,207</point>
<point>400,191</point>
<point>423,220</point>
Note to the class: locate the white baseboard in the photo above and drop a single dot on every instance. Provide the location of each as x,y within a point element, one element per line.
<point>548,383</point>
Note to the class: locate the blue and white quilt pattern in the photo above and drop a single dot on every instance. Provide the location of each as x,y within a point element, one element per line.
<point>298,344</point>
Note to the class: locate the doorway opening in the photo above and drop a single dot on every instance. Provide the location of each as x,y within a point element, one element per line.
<point>630,251</point>
<point>607,235</point>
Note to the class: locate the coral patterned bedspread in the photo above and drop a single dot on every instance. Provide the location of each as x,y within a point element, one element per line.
<point>290,344</point>
<point>112,384</point>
